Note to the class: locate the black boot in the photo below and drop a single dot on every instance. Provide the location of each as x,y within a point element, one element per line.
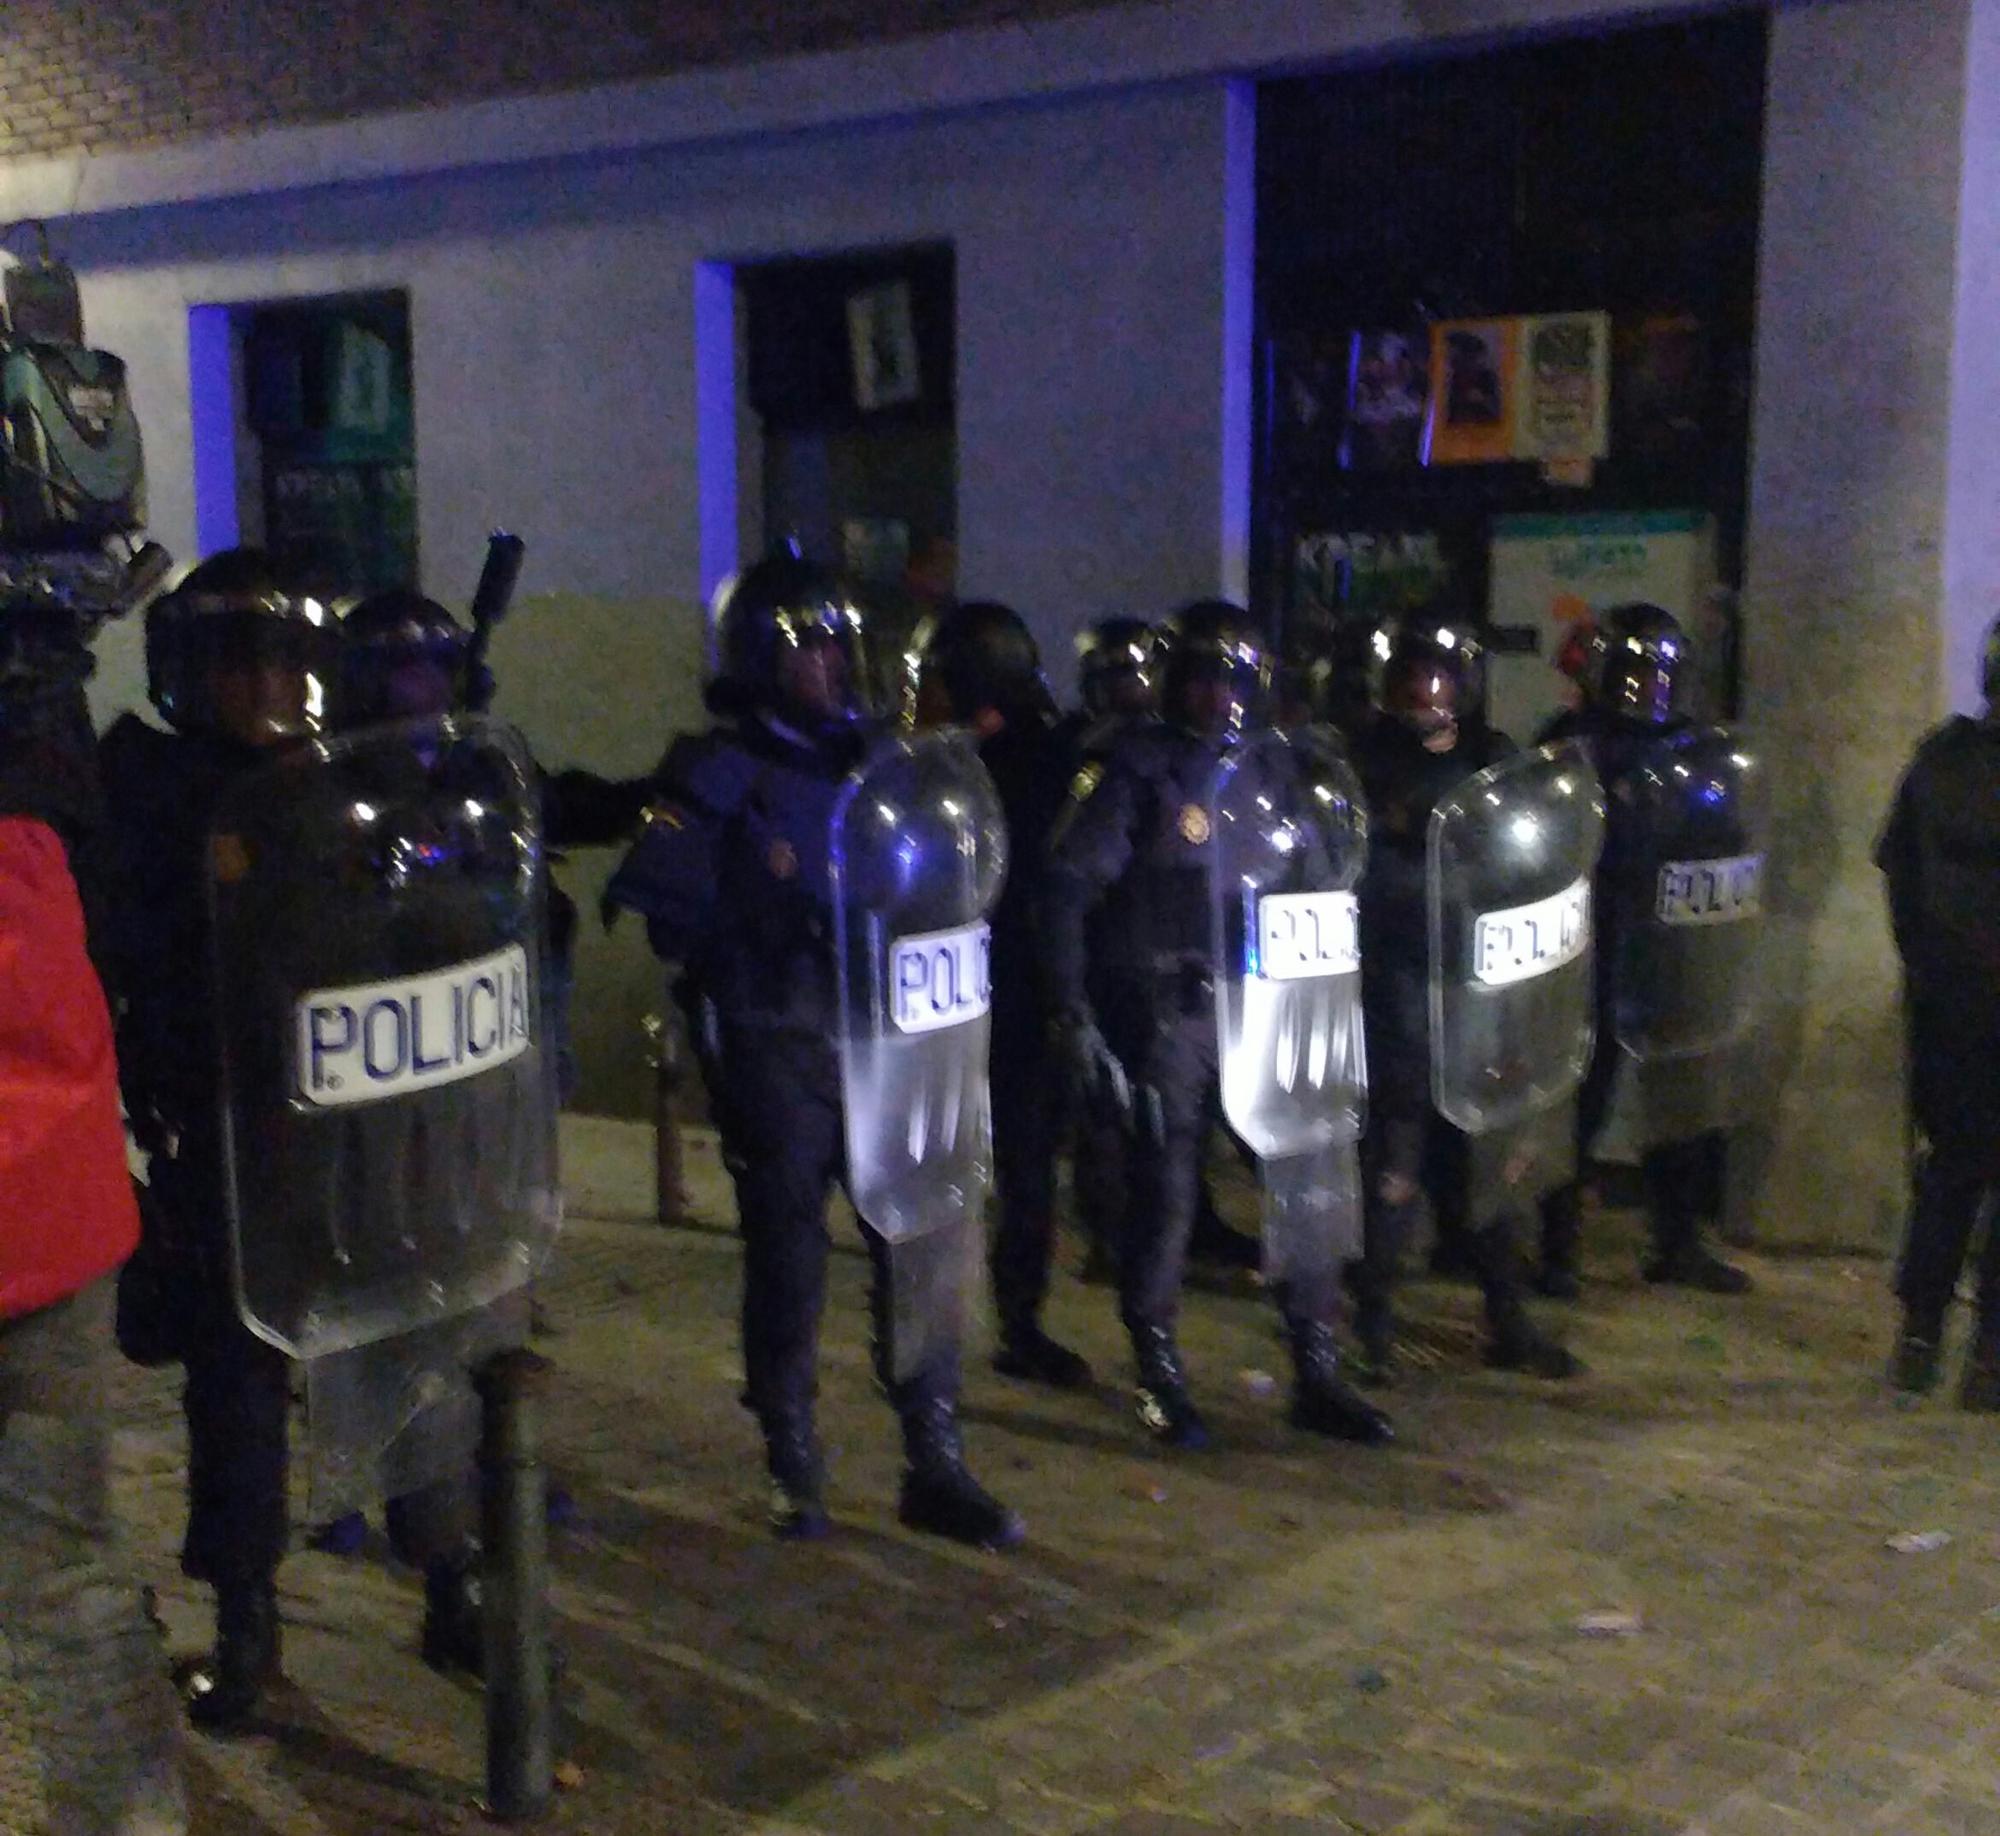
<point>798,1477</point>
<point>1680,1258</point>
<point>454,1634</point>
<point>1322,1400</point>
<point>1165,1407</point>
<point>939,1494</point>
<point>1693,1265</point>
<point>1562,1232</point>
<point>1979,1389</point>
<point>1913,1366</point>
<point>1026,1351</point>
<point>1514,1343</point>
<point>222,1690</point>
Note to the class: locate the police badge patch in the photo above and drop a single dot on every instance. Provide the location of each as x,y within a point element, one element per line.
<point>1194,824</point>
<point>1085,781</point>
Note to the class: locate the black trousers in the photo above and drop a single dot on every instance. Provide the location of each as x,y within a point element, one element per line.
<point>1027,1116</point>
<point>1954,1187</point>
<point>777,1101</point>
<point>1167,1043</point>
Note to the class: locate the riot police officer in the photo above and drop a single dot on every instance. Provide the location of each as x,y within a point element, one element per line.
<point>1118,667</point>
<point>405,657</point>
<point>978,666</point>
<point>1129,946</point>
<point>1420,746</point>
<point>732,875</point>
<point>242,665</point>
<point>1633,689</point>
<point>1940,853</point>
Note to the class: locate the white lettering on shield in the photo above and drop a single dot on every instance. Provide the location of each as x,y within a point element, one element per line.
<point>385,1039</point>
<point>940,978</point>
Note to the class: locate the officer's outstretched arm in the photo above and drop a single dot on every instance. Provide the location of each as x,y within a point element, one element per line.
<point>671,876</point>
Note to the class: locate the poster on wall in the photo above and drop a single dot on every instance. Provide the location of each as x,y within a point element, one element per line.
<point>1474,365</point>
<point>882,340</point>
<point>1388,387</point>
<point>1554,574</point>
<point>1564,392</point>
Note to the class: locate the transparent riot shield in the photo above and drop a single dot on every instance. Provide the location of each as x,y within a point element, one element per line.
<point>1288,841</point>
<point>1689,888</point>
<point>918,852</point>
<point>389,1108</point>
<point>1511,853</point>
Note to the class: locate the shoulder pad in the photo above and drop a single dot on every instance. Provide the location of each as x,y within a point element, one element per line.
<point>708,771</point>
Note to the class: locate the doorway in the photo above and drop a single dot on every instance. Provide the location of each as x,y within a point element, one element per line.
<point>847,383</point>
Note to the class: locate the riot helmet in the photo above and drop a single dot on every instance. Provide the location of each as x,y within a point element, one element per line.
<point>1639,654</point>
<point>403,658</point>
<point>975,660</point>
<point>237,650</point>
<point>1428,676</point>
<point>788,644</point>
<point>1118,660</point>
<point>1216,670</point>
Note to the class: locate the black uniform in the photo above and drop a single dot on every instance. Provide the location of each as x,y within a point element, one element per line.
<point>731,875</point>
<point>1027,769</point>
<point>1129,939</point>
<point>1941,854</point>
<point>1403,783</point>
<point>1684,1178</point>
<point>176,1297</point>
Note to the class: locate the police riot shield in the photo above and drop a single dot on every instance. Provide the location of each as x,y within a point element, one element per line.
<point>1511,853</point>
<point>1288,841</point>
<point>1690,895</point>
<point>389,1103</point>
<point>917,854</point>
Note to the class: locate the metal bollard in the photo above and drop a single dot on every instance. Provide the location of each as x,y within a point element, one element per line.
<point>520,1699</point>
<point>670,1191</point>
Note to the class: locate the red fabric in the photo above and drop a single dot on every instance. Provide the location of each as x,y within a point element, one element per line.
<point>66,1209</point>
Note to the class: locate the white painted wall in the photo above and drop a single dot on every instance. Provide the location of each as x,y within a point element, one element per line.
<point>553,313</point>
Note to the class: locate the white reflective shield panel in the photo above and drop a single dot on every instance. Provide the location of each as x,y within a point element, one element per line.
<point>1304,934</point>
<point>1710,892</point>
<point>942,978</point>
<point>1530,940</point>
<point>384,1039</point>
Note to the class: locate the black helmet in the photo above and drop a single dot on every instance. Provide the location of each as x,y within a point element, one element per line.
<point>1429,640</point>
<point>402,655</point>
<point>1989,669</point>
<point>785,606</point>
<point>1118,660</point>
<point>238,614</point>
<point>982,656</point>
<point>1214,642</point>
<point>1638,654</point>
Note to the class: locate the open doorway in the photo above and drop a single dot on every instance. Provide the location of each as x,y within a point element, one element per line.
<point>846,371</point>
<point>305,435</point>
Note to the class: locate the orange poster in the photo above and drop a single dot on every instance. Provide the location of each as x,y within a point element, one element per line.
<point>1474,365</point>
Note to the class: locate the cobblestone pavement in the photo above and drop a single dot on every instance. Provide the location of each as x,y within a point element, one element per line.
<point>1276,1636</point>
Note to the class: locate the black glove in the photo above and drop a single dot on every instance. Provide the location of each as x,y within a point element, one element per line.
<point>1099,1071</point>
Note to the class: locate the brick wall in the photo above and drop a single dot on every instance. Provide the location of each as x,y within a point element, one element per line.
<point>98,74</point>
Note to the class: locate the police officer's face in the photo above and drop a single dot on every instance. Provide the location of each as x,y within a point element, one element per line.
<point>265,702</point>
<point>1128,691</point>
<point>812,674</point>
<point>1425,700</point>
<point>1207,702</point>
